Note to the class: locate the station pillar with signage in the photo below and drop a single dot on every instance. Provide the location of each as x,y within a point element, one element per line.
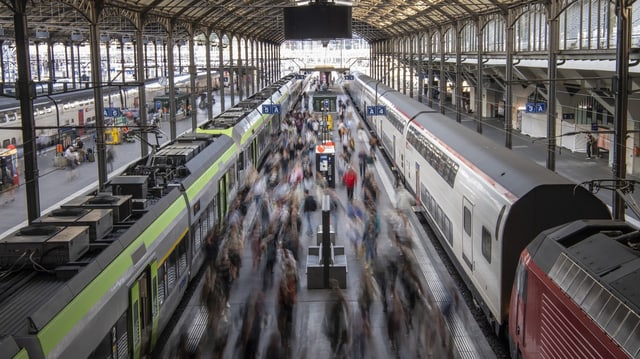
<point>325,163</point>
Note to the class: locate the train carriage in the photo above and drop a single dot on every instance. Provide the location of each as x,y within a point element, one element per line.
<point>485,202</point>
<point>102,275</point>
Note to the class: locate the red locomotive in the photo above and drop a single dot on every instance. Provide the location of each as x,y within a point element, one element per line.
<point>576,293</point>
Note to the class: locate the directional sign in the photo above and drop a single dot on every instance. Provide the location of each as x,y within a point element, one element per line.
<point>376,110</point>
<point>348,77</point>
<point>271,109</point>
<point>536,107</point>
<point>299,77</point>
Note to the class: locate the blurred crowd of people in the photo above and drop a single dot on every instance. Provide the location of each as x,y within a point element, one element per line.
<point>270,214</point>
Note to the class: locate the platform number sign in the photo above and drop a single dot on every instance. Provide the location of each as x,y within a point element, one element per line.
<point>348,77</point>
<point>376,110</point>
<point>271,109</point>
<point>299,77</point>
<point>536,107</point>
<point>325,105</point>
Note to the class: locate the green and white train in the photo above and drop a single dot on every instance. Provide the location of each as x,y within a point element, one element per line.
<point>101,276</point>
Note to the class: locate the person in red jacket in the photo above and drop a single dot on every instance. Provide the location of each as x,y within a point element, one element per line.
<point>350,179</point>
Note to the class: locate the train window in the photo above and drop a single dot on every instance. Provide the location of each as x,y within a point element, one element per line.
<point>3,119</point>
<point>162,282</point>
<point>6,143</point>
<point>211,210</point>
<point>13,117</point>
<point>486,244</point>
<point>35,113</point>
<point>232,177</point>
<point>182,261</point>
<point>172,275</point>
<point>447,230</point>
<point>425,195</point>
<point>197,237</point>
<point>467,221</point>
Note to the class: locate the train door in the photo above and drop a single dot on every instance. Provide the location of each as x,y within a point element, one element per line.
<point>393,153</point>
<point>417,191</point>
<point>221,199</point>
<point>140,316</point>
<point>253,150</point>
<point>467,232</point>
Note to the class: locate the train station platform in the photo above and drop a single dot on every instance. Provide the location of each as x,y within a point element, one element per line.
<point>466,338</point>
<point>461,336</point>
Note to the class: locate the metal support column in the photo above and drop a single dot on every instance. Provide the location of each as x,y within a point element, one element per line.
<point>221,72</point>
<point>326,240</point>
<point>551,89</point>
<point>623,13</point>
<point>429,70</point>
<point>442,83</point>
<point>193,72</point>
<point>508,111</point>
<point>209,90</point>
<point>232,75</point>
<point>26,94</point>
<point>96,82</point>
<point>142,96</point>
<point>480,80</point>
<point>458,89</point>
<point>173,132</point>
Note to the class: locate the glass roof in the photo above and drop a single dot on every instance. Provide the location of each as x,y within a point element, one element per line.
<point>260,19</point>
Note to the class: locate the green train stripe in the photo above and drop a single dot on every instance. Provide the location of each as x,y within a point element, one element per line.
<point>60,326</point>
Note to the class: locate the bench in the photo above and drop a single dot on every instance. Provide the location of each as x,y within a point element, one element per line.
<point>315,267</point>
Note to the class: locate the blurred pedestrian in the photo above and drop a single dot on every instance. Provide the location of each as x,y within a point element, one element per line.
<point>110,157</point>
<point>350,179</point>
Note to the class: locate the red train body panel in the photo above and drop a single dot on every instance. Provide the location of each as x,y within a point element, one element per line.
<point>552,313</point>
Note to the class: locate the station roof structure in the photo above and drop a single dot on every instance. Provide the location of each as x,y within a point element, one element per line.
<point>259,19</point>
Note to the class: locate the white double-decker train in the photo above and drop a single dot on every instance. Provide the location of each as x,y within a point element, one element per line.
<point>485,202</point>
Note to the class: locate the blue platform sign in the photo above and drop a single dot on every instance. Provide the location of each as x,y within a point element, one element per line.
<point>348,77</point>
<point>536,107</point>
<point>299,77</point>
<point>376,110</point>
<point>112,112</point>
<point>271,109</point>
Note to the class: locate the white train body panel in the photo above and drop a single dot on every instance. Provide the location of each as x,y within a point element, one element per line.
<point>484,202</point>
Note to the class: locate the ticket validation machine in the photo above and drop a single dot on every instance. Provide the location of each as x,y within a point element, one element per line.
<point>325,163</point>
